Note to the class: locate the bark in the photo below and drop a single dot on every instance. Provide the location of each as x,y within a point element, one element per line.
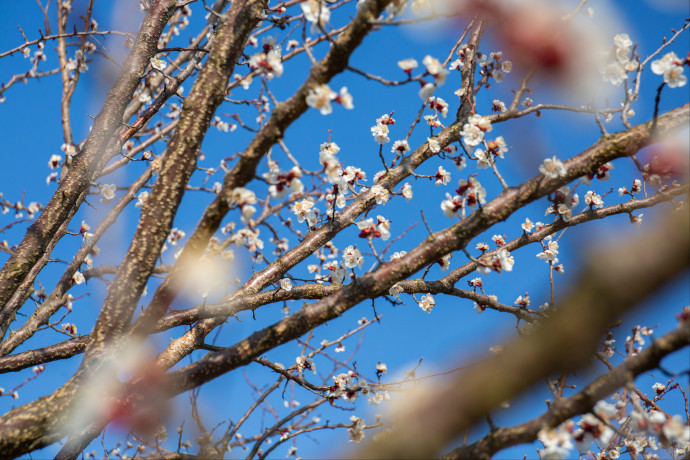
<point>86,163</point>
<point>45,420</point>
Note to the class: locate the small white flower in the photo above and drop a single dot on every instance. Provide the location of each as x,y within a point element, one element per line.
<point>158,64</point>
<point>141,199</point>
<point>395,291</point>
<point>380,133</point>
<point>483,159</point>
<point>345,98</point>
<point>427,303</point>
<point>471,135</point>
<point>321,96</point>
<point>315,12</point>
<point>426,91</point>
<point>550,252</point>
<point>614,73</point>
<point>498,106</point>
<point>433,145</point>
<point>407,191</point>
<point>506,260</point>
<point>78,278</point>
<point>108,191</point>
<point>398,255</point>
<point>442,176</point>
<point>553,168</point>
<point>286,284</point>
<point>304,209</point>
<point>400,147</point>
<point>593,200</point>
<point>54,161</point>
<point>381,194</point>
<point>451,206</point>
<point>407,65</point>
<point>671,68</point>
<point>638,219</point>
<point>557,443</point>
<point>352,257</point>
<point>622,41</point>
<point>69,328</point>
<point>528,225</point>
<point>436,69</point>
<point>305,363</point>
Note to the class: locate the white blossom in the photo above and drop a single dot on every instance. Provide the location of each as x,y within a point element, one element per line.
<point>141,199</point>
<point>158,64</point>
<point>320,98</point>
<point>78,277</point>
<point>381,194</point>
<point>395,291</point>
<point>407,191</point>
<point>352,257</point>
<point>108,191</point>
<point>671,68</point>
<point>316,12</point>
<point>553,168</point>
<point>427,303</point>
<point>286,284</point>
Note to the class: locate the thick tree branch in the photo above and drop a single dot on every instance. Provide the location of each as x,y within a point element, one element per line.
<point>44,421</point>
<point>67,198</point>
<point>436,246</point>
<point>612,282</point>
<point>564,408</point>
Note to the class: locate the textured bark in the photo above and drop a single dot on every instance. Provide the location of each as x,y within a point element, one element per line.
<point>437,245</point>
<point>180,161</point>
<point>87,162</point>
<point>26,359</point>
<point>284,114</point>
<point>44,421</point>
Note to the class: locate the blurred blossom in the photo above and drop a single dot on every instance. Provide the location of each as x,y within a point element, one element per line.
<point>208,277</point>
<point>669,6</point>
<point>538,34</point>
<point>98,397</point>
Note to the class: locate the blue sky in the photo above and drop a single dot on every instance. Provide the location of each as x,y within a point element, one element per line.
<point>453,332</point>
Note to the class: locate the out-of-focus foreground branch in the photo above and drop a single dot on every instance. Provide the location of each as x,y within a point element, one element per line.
<point>564,408</point>
<point>612,282</point>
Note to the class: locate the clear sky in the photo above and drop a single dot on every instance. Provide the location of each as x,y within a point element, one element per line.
<point>453,333</point>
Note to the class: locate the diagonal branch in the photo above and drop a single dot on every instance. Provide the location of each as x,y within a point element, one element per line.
<point>435,247</point>
<point>70,192</point>
<point>45,420</point>
<point>613,281</point>
<point>564,408</point>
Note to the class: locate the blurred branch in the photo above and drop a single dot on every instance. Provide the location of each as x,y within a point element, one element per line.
<point>564,408</point>
<point>613,281</point>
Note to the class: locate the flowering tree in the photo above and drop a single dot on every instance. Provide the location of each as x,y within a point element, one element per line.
<point>295,220</point>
